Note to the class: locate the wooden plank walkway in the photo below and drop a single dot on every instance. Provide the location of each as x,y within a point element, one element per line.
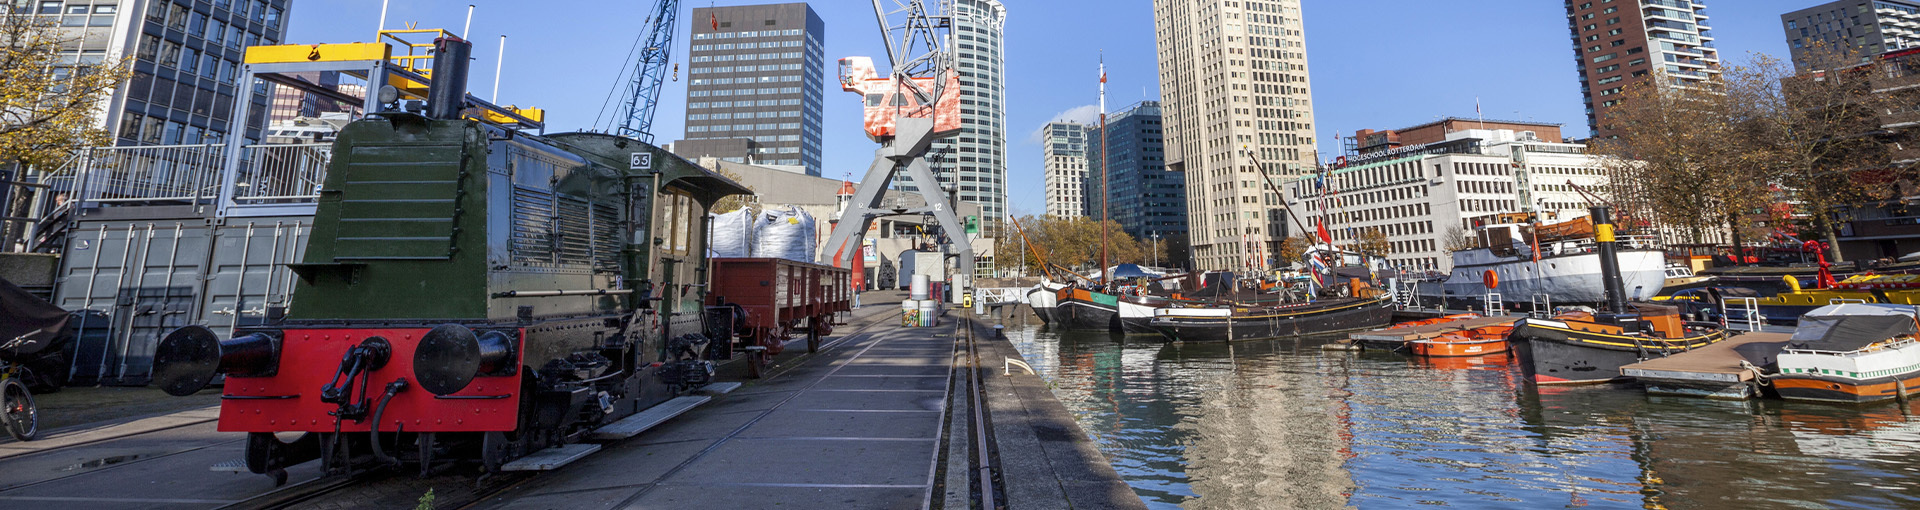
<point>1713,371</point>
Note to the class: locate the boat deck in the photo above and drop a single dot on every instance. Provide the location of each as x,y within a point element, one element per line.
<point>1395,337</point>
<point>1713,371</point>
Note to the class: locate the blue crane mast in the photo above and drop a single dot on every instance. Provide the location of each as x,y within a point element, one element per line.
<point>642,97</point>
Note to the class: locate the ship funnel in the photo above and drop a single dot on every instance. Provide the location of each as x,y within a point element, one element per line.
<point>1605,244</point>
<point>447,90</point>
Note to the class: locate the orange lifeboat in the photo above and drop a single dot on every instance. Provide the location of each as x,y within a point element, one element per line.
<point>1435,320</point>
<point>1472,342</point>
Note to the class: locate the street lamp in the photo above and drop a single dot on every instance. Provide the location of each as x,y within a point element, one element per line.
<point>1156,248</point>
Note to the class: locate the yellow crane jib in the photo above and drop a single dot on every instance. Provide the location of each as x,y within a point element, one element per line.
<point>291,53</point>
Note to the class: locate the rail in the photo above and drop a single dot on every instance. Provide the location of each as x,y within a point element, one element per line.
<point>268,173</point>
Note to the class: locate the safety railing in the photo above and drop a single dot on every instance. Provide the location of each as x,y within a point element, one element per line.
<point>1001,295</point>
<point>267,174</point>
<point>281,173</point>
<point>186,173</point>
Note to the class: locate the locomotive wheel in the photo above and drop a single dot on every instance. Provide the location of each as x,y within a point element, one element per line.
<point>495,450</point>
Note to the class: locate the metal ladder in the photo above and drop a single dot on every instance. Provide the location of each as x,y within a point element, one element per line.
<point>1495,307</point>
<point>1542,306</point>
<point>1748,310</point>
<point>1407,295</point>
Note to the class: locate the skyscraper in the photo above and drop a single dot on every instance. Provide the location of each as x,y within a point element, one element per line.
<point>1066,169</point>
<point>1619,42</point>
<point>755,78</point>
<point>1146,199</point>
<point>974,163</point>
<point>1867,27</point>
<point>187,56</point>
<point>1234,73</point>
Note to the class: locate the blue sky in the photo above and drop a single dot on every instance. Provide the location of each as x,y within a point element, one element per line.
<point>1379,64</point>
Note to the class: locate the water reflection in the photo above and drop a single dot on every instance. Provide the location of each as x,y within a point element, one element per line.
<point>1283,424</point>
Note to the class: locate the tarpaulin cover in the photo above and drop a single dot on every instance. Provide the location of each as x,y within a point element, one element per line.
<point>1130,271</point>
<point>785,234</point>
<point>28,324</point>
<point>733,234</point>
<point>1850,327</point>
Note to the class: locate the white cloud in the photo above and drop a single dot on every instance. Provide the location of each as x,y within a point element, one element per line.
<point>1088,115</point>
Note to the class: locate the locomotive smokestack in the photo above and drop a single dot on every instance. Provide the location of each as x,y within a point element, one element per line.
<point>447,91</point>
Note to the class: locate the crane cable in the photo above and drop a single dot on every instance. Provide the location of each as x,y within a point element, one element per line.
<point>622,77</point>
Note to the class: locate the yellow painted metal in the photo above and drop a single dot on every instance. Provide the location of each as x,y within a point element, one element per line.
<point>419,54</point>
<point>288,53</point>
<point>1603,233</point>
<point>533,114</point>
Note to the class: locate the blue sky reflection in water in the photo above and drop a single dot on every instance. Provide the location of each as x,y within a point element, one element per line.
<point>1282,424</point>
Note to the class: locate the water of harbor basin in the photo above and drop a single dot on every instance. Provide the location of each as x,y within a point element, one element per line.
<point>1283,424</point>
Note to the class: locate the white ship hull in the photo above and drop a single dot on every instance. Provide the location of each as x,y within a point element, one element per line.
<point>1568,279</point>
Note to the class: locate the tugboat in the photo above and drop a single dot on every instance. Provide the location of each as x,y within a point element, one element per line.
<point>1582,347</point>
<point>1852,353</point>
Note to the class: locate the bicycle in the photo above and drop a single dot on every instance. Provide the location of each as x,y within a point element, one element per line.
<point>18,414</point>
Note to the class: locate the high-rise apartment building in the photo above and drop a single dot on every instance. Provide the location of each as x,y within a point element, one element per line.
<point>1066,169</point>
<point>974,162</point>
<point>1146,199</point>
<point>1234,75</point>
<point>1619,42</point>
<point>1866,27</point>
<point>187,56</point>
<point>756,75</point>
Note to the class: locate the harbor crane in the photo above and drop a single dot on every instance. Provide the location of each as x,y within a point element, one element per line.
<point>906,111</point>
<point>641,95</point>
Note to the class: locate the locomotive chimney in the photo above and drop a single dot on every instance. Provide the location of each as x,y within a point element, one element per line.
<point>447,90</point>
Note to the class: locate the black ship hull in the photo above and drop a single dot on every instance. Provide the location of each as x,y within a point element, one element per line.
<point>1331,316</point>
<point>1553,355</point>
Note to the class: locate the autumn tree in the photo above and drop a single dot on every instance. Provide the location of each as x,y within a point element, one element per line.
<point>1678,157</point>
<point>49,102</point>
<point>1294,250</point>
<point>1373,243</point>
<point>734,202</point>
<point>1068,242</point>
<point>1818,132</point>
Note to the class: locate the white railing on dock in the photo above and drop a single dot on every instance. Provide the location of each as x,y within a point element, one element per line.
<point>1542,306</point>
<point>1495,307</point>
<point>1001,295</point>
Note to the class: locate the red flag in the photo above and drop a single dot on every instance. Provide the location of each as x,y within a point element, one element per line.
<point>716,20</point>
<point>1324,236</point>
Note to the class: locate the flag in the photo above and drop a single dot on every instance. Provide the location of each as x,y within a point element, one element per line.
<point>1476,106</point>
<point>1324,236</point>
<point>715,18</point>
<point>1103,73</point>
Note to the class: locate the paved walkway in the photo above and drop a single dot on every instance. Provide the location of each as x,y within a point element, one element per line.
<point>854,426</point>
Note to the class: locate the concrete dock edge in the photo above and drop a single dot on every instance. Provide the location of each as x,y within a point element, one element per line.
<point>1044,457</point>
